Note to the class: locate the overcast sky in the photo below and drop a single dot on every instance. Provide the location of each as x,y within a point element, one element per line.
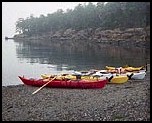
<point>11,11</point>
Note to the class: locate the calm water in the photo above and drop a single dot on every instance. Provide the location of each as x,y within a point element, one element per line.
<point>32,59</point>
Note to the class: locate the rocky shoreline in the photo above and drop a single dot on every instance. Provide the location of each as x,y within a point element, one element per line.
<point>115,102</point>
<point>139,37</point>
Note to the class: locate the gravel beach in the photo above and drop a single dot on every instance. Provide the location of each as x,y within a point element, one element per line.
<point>115,102</point>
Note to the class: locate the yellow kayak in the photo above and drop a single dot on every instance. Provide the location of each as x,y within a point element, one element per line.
<point>46,76</point>
<point>130,69</point>
<point>61,77</point>
<point>72,77</point>
<point>133,68</point>
<point>119,79</point>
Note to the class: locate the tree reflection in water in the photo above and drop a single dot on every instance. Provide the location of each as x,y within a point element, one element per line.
<point>79,55</point>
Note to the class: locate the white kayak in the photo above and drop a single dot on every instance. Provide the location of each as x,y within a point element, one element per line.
<point>136,75</point>
<point>139,75</point>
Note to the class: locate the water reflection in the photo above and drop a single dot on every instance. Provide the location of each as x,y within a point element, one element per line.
<point>79,55</point>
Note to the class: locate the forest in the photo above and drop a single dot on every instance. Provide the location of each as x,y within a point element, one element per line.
<point>108,15</point>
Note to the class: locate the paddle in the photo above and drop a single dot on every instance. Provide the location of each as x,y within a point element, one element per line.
<point>129,76</point>
<point>44,85</point>
<point>110,78</point>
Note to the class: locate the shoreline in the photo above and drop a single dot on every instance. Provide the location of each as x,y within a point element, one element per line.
<point>115,102</point>
<point>130,37</point>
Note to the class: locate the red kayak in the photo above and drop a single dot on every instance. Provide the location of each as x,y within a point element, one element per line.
<point>65,83</point>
